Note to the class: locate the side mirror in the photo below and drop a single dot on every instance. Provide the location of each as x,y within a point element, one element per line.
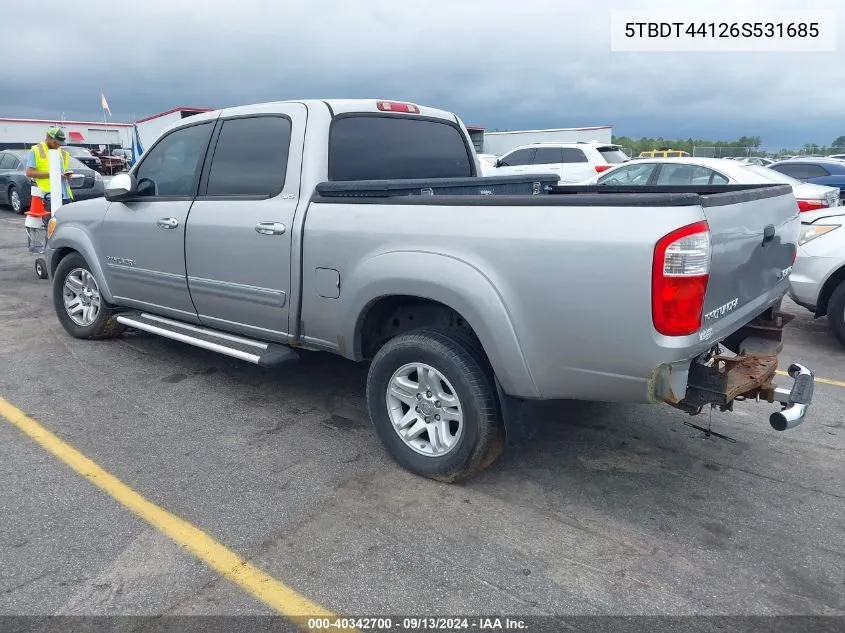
<point>120,187</point>
<point>498,162</point>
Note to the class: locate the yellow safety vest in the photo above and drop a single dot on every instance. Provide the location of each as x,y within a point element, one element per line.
<point>42,163</point>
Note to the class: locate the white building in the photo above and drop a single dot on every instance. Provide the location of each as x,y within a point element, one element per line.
<point>23,133</point>
<point>498,143</point>
<point>149,128</point>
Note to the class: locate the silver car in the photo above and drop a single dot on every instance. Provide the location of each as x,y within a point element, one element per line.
<point>817,281</point>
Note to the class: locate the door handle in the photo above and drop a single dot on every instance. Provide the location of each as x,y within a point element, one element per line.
<point>270,228</point>
<point>168,223</point>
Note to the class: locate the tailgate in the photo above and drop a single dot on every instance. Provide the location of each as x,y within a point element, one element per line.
<point>754,236</point>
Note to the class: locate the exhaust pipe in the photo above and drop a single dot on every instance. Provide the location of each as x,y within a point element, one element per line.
<point>789,418</point>
<point>796,401</point>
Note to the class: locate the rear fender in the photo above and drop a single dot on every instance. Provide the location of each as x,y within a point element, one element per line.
<point>454,283</point>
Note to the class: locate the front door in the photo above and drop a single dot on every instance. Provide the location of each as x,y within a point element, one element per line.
<point>517,162</point>
<point>142,239</point>
<point>238,240</point>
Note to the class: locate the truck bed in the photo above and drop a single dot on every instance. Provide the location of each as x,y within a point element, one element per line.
<point>574,269</point>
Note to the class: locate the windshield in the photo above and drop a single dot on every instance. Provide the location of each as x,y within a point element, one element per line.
<point>771,175</point>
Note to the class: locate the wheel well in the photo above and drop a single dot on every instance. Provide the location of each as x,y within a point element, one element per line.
<point>60,255</point>
<point>388,317</point>
<point>827,290</point>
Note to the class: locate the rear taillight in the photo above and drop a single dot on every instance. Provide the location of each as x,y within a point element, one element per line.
<point>680,272</point>
<point>396,106</point>
<point>811,205</point>
<point>601,168</point>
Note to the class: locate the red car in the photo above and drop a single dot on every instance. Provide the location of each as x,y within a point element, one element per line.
<point>110,164</point>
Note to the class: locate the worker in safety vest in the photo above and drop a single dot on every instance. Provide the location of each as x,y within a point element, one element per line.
<point>38,167</point>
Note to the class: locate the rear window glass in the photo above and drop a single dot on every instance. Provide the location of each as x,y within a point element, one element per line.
<point>613,155</point>
<point>391,148</point>
<point>572,155</point>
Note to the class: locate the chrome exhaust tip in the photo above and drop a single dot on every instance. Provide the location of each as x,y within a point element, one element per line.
<point>796,401</point>
<point>789,418</point>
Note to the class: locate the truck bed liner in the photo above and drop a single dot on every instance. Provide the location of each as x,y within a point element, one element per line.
<point>529,184</point>
<point>445,194</point>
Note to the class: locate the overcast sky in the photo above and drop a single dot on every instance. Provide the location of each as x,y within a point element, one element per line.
<point>515,64</point>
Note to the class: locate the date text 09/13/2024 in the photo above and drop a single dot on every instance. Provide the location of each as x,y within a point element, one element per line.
<point>416,624</point>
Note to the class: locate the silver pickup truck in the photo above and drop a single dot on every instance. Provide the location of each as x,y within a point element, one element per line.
<point>362,228</point>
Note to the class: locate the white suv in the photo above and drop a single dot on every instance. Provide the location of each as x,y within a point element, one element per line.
<point>573,162</point>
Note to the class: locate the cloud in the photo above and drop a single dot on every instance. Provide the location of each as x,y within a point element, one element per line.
<point>500,63</point>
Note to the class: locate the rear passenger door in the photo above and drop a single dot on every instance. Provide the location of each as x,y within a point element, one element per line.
<point>238,239</point>
<point>576,166</point>
<point>6,162</point>
<point>547,160</point>
<point>682,174</point>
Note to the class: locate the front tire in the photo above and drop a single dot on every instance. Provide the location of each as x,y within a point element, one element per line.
<point>81,310</point>
<point>836,313</point>
<point>432,399</point>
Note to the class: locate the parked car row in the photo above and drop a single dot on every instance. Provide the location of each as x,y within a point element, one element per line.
<point>15,186</point>
<point>108,162</point>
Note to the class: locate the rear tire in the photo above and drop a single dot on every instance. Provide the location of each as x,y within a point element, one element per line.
<point>836,313</point>
<point>458,383</point>
<point>16,200</point>
<point>41,269</point>
<point>81,310</point>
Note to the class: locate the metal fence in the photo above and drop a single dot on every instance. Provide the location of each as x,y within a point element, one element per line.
<point>725,152</point>
<point>764,152</point>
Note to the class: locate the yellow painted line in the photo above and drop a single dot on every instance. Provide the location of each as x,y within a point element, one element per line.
<point>275,594</point>
<point>826,381</point>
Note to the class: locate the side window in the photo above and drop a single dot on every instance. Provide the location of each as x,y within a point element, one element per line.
<point>680,174</point>
<point>629,175</point>
<point>795,170</point>
<point>7,161</point>
<point>548,156</point>
<point>718,179</point>
<point>573,155</point>
<point>518,158</point>
<point>171,167</point>
<point>251,157</point>
<point>816,171</point>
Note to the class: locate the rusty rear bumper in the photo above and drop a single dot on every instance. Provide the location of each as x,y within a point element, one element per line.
<point>744,368</point>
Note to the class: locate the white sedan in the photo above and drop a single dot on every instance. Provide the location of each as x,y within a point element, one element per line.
<point>713,171</point>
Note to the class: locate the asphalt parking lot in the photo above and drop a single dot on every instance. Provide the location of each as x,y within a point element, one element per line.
<point>612,510</point>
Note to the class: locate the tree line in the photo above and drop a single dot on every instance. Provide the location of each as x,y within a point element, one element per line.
<point>740,147</point>
<point>737,147</point>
